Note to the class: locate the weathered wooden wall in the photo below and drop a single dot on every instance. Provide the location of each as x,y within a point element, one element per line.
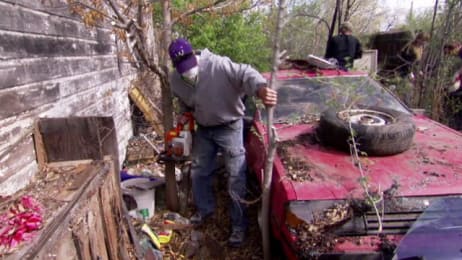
<point>52,65</point>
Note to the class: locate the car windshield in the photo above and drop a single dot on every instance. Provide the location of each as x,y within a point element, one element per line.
<point>309,97</point>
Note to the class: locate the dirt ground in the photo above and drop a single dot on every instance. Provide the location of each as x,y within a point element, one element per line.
<point>209,241</point>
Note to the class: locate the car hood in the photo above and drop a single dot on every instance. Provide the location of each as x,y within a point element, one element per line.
<point>432,166</point>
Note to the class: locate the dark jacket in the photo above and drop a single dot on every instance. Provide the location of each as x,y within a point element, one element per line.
<point>409,56</point>
<point>345,49</point>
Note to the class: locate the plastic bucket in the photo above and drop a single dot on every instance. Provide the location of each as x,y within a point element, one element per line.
<point>143,191</point>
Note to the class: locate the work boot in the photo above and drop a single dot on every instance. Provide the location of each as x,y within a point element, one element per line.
<point>198,219</point>
<point>237,237</point>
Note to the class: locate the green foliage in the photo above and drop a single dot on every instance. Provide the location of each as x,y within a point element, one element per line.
<point>303,34</point>
<point>419,22</point>
<point>238,36</point>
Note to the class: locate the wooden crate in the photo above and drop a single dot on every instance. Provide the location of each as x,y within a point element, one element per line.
<point>79,188</point>
<point>83,215</point>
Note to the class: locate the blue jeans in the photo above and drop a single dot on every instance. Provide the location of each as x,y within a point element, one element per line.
<point>207,142</point>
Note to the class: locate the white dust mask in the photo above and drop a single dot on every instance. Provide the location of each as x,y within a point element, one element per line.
<point>190,76</point>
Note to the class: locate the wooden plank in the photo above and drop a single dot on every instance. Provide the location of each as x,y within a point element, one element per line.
<point>18,157</point>
<point>68,163</point>
<point>18,100</point>
<point>56,7</point>
<point>65,247</point>
<point>61,219</point>
<point>69,139</point>
<point>20,19</point>
<point>151,114</point>
<point>14,73</point>
<point>92,225</point>
<point>80,237</point>
<point>96,234</point>
<point>126,233</point>
<point>75,180</point>
<point>39,146</point>
<point>110,211</point>
<point>18,180</point>
<point>60,246</point>
<point>97,102</point>
<point>82,82</point>
<point>16,128</point>
<point>19,45</point>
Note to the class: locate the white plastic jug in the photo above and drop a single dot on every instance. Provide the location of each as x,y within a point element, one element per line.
<point>143,191</point>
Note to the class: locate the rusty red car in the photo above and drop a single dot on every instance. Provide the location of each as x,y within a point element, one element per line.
<point>354,167</point>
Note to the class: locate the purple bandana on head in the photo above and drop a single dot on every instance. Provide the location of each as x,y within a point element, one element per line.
<point>182,55</point>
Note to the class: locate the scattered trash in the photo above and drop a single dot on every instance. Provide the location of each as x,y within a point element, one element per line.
<point>153,238</point>
<point>19,223</point>
<point>143,191</point>
<point>422,129</point>
<point>148,249</point>
<point>150,143</point>
<point>147,171</point>
<point>196,236</point>
<point>176,237</point>
<point>166,235</point>
<point>144,214</point>
<point>193,244</point>
<point>175,217</point>
<point>144,147</point>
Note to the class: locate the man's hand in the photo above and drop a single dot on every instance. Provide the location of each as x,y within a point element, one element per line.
<point>268,96</point>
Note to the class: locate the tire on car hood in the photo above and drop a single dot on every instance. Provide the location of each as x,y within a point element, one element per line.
<point>393,134</point>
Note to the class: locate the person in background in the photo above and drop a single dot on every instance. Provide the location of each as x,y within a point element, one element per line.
<point>344,47</point>
<point>409,57</point>
<point>213,87</point>
<point>411,54</point>
<point>454,97</point>
<point>453,49</point>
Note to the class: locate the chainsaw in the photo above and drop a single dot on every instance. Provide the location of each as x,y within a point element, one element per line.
<point>178,140</point>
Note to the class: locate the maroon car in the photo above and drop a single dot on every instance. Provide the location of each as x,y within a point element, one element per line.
<point>354,168</point>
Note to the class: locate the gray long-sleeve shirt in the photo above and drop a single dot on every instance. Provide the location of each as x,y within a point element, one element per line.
<point>217,95</point>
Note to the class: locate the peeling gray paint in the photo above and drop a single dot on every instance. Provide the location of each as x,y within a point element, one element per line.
<point>52,65</point>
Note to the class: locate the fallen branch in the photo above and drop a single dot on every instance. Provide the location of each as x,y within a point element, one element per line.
<point>272,139</point>
<point>363,180</point>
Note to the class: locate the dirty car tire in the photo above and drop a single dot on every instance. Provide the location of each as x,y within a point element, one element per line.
<point>394,137</point>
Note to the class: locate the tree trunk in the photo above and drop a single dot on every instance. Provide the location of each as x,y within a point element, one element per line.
<point>167,106</point>
<point>334,19</point>
<point>339,13</point>
<point>349,5</point>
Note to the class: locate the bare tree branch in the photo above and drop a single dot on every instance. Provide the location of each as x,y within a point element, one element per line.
<point>75,3</point>
<point>116,11</point>
<point>217,6</point>
<point>197,10</point>
<point>139,18</point>
<point>321,19</point>
<point>272,137</point>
